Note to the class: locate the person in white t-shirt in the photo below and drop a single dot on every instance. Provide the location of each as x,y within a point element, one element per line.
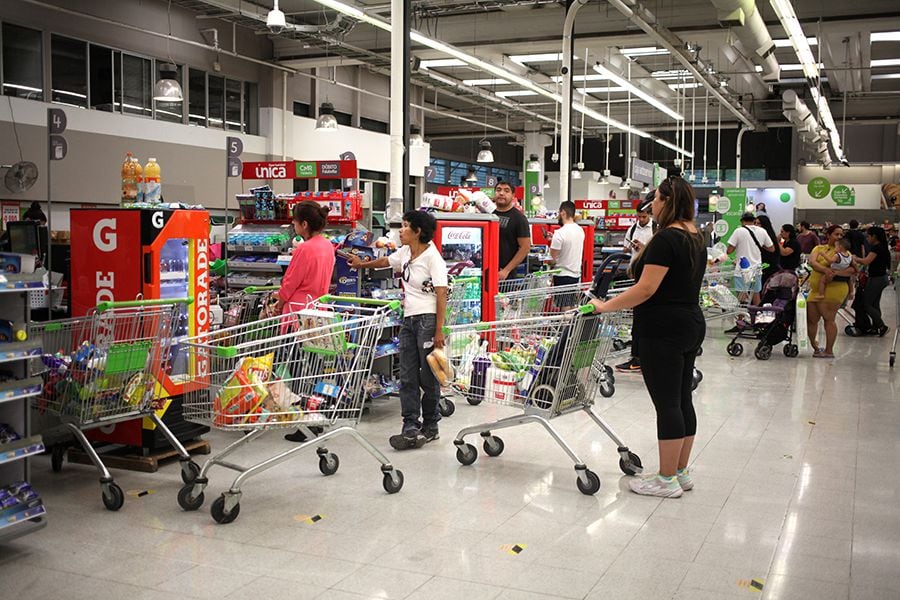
<point>566,250</point>
<point>423,273</point>
<point>747,241</point>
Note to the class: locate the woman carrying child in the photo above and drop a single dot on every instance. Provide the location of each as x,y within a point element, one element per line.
<point>823,303</point>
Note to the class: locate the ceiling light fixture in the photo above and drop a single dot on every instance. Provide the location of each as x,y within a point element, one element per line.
<point>275,20</point>
<point>471,177</point>
<point>326,120</point>
<point>885,36</point>
<point>441,62</point>
<point>485,155</point>
<point>167,88</point>
<point>485,81</point>
<point>644,51</point>
<point>625,83</point>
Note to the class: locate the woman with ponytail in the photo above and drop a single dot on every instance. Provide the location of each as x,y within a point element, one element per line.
<point>670,328</point>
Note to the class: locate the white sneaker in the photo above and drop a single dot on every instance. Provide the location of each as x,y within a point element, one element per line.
<point>684,479</point>
<point>655,485</point>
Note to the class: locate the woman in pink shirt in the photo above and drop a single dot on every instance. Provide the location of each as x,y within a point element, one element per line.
<point>309,275</point>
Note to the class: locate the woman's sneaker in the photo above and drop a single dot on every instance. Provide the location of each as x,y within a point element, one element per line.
<point>656,485</point>
<point>684,479</point>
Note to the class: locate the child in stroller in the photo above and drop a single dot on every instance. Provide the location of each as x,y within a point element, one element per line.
<point>773,322</point>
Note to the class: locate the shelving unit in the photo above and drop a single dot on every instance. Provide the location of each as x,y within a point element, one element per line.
<point>15,394</point>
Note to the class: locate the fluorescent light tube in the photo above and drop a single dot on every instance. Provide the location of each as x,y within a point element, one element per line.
<point>618,79</point>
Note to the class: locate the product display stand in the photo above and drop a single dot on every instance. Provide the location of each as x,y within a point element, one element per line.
<point>21,514</point>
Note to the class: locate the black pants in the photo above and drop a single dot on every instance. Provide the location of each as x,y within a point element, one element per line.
<point>872,299</point>
<point>667,365</point>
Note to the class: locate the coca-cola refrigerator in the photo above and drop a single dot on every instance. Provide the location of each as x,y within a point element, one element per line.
<point>470,244</point>
<point>542,234</point>
<point>123,254</point>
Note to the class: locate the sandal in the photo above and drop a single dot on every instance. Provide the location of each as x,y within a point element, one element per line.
<point>823,355</point>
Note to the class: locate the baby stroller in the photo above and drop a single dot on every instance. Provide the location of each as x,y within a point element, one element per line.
<point>775,321</point>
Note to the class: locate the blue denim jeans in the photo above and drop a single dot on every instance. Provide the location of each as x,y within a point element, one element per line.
<point>419,389</point>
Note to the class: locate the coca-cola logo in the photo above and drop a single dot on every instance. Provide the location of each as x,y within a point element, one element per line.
<point>459,235</point>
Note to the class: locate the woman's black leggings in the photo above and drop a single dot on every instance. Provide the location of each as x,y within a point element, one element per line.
<point>668,369</point>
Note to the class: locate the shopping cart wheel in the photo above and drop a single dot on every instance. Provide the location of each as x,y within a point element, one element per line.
<point>113,496</point>
<point>466,454</point>
<point>763,352</point>
<point>187,501</point>
<point>696,379</point>
<point>471,399</point>
<point>607,389</point>
<point>735,349</point>
<point>446,406</point>
<point>493,446</point>
<point>329,463</point>
<point>392,481</point>
<point>632,466</point>
<point>189,471</point>
<point>593,483</point>
<point>218,511</point>
<point>892,359</point>
<point>610,373</point>
<point>700,351</point>
<point>618,344</point>
<point>791,351</point>
<point>57,455</point>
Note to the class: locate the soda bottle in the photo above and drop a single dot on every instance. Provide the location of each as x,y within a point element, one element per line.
<point>129,181</point>
<point>152,182</point>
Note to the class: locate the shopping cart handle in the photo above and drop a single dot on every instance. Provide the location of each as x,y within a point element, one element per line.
<point>465,280</point>
<point>586,309</point>
<point>105,306</point>
<point>252,289</point>
<point>393,304</point>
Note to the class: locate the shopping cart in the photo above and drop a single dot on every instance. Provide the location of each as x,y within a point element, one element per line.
<point>541,365</point>
<point>536,280</point>
<point>245,305</point>
<point>105,368</point>
<point>310,374</point>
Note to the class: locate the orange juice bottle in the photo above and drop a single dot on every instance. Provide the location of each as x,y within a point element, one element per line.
<point>138,181</point>
<point>152,182</point>
<point>129,185</point>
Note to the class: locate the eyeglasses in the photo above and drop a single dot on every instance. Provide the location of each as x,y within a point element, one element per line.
<point>405,272</point>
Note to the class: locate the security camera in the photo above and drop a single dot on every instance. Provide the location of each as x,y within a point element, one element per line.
<point>275,20</point>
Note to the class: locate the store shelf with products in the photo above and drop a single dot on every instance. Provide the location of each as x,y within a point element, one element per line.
<point>21,509</point>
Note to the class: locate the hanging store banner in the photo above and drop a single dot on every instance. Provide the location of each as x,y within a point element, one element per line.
<point>642,171</point>
<point>729,206</point>
<point>324,169</point>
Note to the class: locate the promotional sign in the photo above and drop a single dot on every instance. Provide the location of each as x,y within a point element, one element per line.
<point>818,187</point>
<point>843,195</point>
<point>532,185</point>
<point>325,169</point>
<point>11,212</point>
<point>730,206</point>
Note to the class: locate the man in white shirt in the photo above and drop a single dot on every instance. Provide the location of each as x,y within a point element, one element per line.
<point>638,236</point>
<point>747,241</point>
<point>640,233</point>
<point>566,250</point>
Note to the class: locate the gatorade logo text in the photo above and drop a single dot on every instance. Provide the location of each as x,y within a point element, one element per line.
<point>105,238</point>
<point>201,303</point>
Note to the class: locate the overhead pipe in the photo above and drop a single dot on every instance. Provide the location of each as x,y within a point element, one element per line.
<point>743,18</point>
<point>744,69</point>
<point>644,19</point>
<point>565,159</point>
<point>398,149</point>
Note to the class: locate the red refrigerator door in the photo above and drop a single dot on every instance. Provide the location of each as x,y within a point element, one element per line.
<point>542,235</point>
<point>472,245</point>
<point>106,257</point>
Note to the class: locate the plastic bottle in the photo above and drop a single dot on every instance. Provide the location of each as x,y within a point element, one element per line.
<point>129,181</point>
<point>152,182</point>
<point>138,180</point>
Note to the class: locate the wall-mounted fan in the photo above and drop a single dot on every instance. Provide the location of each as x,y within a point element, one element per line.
<point>20,176</point>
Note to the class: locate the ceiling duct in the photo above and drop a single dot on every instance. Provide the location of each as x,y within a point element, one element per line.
<point>743,18</point>
<point>847,60</point>
<point>813,140</point>
<point>737,58</point>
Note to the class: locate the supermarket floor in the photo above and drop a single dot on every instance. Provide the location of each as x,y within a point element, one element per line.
<point>796,491</point>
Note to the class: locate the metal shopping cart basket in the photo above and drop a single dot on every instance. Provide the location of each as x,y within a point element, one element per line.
<point>541,365</point>
<point>245,305</point>
<point>103,369</point>
<point>303,369</point>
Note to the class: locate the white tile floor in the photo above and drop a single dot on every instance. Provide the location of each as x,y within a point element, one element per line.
<point>796,488</point>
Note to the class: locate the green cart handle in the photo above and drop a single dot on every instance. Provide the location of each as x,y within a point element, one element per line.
<point>252,289</point>
<point>543,272</point>
<point>105,306</point>
<point>393,304</point>
<point>586,309</point>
